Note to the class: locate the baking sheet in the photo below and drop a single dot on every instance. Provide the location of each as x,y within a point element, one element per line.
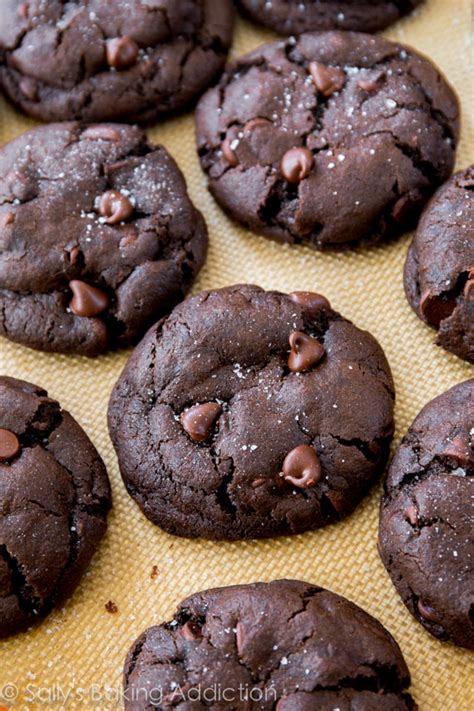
<point>74,658</point>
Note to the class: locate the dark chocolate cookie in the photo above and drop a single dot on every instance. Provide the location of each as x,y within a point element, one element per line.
<point>54,498</point>
<point>292,17</point>
<point>97,61</point>
<point>427,517</point>
<point>439,271</point>
<point>98,237</point>
<point>248,413</point>
<point>283,646</point>
<point>334,139</point>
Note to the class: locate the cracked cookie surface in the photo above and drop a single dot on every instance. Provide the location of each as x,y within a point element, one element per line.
<point>284,645</point>
<point>374,126</point>
<point>439,271</point>
<point>54,498</point>
<point>98,237</point>
<point>248,414</point>
<point>292,17</point>
<point>427,515</point>
<point>97,61</point>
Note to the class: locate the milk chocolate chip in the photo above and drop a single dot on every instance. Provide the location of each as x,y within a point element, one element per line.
<point>434,309</point>
<point>100,133</point>
<point>229,153</point>
<point>9,445</point>
<point>115,207</point>
<point>122,52</point>
<point>296,164</point>
<point>311,303</point>
<point>191,631</point>
<point>240,638</point>
<point>306,351</point>
<point>198,421</point>
<point>427,612</point>
<point>87,300</point>
<point>327,80</point>
<point>458,451</point>
<point>411,515</point>
<point>256,123</point>
<point>302,467</point>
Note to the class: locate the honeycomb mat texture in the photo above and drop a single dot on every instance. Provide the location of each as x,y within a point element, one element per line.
<point>78,651</point>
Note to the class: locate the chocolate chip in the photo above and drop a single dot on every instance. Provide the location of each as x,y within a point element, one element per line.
<point>22,186</point>
<point>338,501</point>
<point>368,85</point>
<point>317,142</point>
<point>405,206</point>
<point>29,88</point>
<point>411,515</point>
<point>240,638</point>
<point>434,309</point>
<point>87,300</point>
<point>229,153</point>
<point>469,285</point>
<point>427,612</point>
<point>115,207</point>
<point>327,80</point>
<point>465,179</point>
<point>256,123</point>
<point>191,631</point>
<point>198,421</point>
<point>302,467</point>
<point>296,164</point>
<point>310,302</point>
<point>122,52</point>
<point>458,451</point>
<point>7,219</point>
<point>111,607</point>
<point>306,351</point>
<point>129,238</point>
<point>100,133</point>
<point>9,445</point>
<point>169,701</point>
<point>74,255</point>
<point>23,10</point>
<point>117,165</point>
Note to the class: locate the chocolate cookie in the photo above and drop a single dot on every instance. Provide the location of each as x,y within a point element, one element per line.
<point>439,271</point>
<point>292,17</point>
<point>54,498</point>
<point>334,139</point>
<point>284,645</point>
<point>427,515</point>
<point>96,61</point>
<point>98,237</point>
<point>248,413</point>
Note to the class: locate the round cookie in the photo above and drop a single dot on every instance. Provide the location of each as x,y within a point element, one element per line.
<point>439,271</point>
<point>284,646</point>
<point>427,514</point>
<point>54,498</point>
<point>99,61</point>
<point>292,17</point>
<point>334,139</point>
<point>98,237</point>
<point>248,414</point>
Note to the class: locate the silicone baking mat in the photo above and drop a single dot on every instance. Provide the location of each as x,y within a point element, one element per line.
<point>74,658</point>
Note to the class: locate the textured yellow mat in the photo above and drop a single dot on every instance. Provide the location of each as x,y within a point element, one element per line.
<point>74,659</point>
